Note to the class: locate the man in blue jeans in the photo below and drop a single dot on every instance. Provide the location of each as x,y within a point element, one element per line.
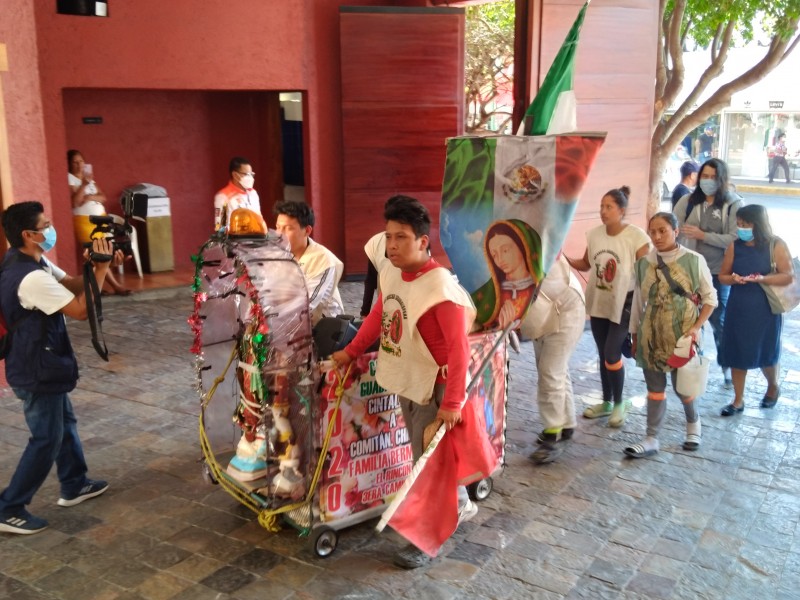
<point>40,366</point>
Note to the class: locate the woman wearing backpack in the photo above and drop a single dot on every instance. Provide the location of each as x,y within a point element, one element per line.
<point>707,224</point>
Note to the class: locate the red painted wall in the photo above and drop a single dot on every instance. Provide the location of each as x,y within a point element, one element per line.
<point>393,146</point>
<point>180,140</point>
<point>154,45</point>
<point>251,46</point>
<point>614,88</point>
<point>22,97</point>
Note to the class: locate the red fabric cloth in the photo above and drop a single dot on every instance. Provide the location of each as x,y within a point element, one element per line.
<point>442,330</point>
<point>464,455</point>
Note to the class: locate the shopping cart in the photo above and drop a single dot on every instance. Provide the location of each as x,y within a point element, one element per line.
<point>285,434</point>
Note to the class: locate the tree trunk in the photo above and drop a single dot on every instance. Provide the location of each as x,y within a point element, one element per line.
<point>658,160</point>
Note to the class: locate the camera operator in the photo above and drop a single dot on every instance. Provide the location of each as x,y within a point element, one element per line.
<point>41,367</point>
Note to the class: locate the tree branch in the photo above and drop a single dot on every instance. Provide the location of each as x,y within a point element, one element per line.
<point>686,30</point>
<point>675,79</point>
<point>715,42</point>
<point>661,64</point>
<point>791,47</point>
<point>713,71</point>
<point>722,97</point>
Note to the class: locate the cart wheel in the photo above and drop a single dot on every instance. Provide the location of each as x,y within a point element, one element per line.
<point>324,540</point>
<point>480,490</point>
<point>208,476</point>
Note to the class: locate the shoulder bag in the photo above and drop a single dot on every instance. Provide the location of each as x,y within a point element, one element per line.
<point>674,285</point>
<point>782,298</point>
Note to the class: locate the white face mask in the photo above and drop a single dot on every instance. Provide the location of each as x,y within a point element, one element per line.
<point>247,181</point>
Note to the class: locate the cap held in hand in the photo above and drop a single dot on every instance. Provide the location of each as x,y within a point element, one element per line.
<point>684,350</point>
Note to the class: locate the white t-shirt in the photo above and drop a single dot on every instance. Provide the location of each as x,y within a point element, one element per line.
<point>41,290</point>
<point>611,260</point>
<point>92,207</point>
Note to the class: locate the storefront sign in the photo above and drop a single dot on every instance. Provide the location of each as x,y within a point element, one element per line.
<point>776,103</point>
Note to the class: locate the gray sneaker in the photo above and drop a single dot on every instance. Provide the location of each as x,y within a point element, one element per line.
<point>546,453</point>
<point>411,557</point>
<point>466,512</point>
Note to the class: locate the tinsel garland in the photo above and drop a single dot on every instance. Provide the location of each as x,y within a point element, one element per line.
<point>255,339</point>
<point>195,320</point>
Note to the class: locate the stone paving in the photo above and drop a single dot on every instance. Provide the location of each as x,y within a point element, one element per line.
<point>718,523</point>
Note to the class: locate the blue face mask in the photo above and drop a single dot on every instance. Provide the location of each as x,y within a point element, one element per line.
<point>709,186</point>
<point>49,239</point>
<point>745,233</point>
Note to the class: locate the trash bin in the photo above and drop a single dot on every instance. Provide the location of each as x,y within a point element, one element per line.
<point>148,208</point>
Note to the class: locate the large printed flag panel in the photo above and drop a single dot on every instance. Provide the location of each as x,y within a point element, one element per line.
<point>507,205</point>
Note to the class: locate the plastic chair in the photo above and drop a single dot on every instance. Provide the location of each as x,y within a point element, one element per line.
<point>134,245</point>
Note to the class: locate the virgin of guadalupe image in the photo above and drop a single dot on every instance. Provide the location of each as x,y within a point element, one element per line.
<point>513,252</point>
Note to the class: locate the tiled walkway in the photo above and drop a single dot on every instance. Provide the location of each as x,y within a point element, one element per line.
<point>719,523</point>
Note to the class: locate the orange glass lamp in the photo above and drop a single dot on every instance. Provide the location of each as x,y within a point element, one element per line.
<point>246,223</point>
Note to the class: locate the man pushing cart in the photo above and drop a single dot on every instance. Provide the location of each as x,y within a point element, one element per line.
<point>422,318</point>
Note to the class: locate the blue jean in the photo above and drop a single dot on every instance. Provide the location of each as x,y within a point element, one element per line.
<point>717,318</point>
<point>54,438</point>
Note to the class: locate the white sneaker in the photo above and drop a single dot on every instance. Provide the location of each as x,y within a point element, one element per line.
<point>466,512</point>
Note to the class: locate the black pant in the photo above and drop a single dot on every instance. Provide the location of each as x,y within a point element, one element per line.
<point>609,337</point>
<point>779,161</point>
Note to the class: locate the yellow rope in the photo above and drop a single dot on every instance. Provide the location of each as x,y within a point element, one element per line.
<point>267,518</point>
<point>211,460</point>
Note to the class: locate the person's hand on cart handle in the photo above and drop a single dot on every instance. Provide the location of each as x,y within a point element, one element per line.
<point>508,313</point>
<point>450,418</point>
<point>341,358</point>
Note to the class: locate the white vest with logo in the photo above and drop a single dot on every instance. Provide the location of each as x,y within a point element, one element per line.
<point>405,365</point>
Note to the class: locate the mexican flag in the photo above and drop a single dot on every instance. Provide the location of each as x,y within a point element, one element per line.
<point>553,109</point>
<point>507,205</point>
<point>508,200</point>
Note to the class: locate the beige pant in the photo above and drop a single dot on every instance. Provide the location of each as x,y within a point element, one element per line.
<point>417,417</point>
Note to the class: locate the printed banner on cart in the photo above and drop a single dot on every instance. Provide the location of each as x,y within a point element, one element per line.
<point>507,205</point>
<point>369,455</point>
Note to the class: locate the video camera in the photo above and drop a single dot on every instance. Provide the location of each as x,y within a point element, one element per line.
<point>119,233</point>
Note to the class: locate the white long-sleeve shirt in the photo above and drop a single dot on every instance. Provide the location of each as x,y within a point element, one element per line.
<point>322,270</point>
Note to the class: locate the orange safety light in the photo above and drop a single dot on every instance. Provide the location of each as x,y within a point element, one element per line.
<point>246,223</point>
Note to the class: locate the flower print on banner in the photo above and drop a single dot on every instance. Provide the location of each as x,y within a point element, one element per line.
<point>369,453</point>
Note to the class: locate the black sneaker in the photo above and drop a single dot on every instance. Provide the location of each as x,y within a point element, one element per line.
<point>547,453</point>
<point>24,524</point>
<point>411,557</point>
<point>552,438</point>
<point>90,489</point>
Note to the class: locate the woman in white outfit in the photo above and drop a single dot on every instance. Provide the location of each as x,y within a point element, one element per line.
<point>555,322</point>
<point>87,200</point>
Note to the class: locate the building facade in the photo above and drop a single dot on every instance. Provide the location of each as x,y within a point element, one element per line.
<point>167,92</point>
